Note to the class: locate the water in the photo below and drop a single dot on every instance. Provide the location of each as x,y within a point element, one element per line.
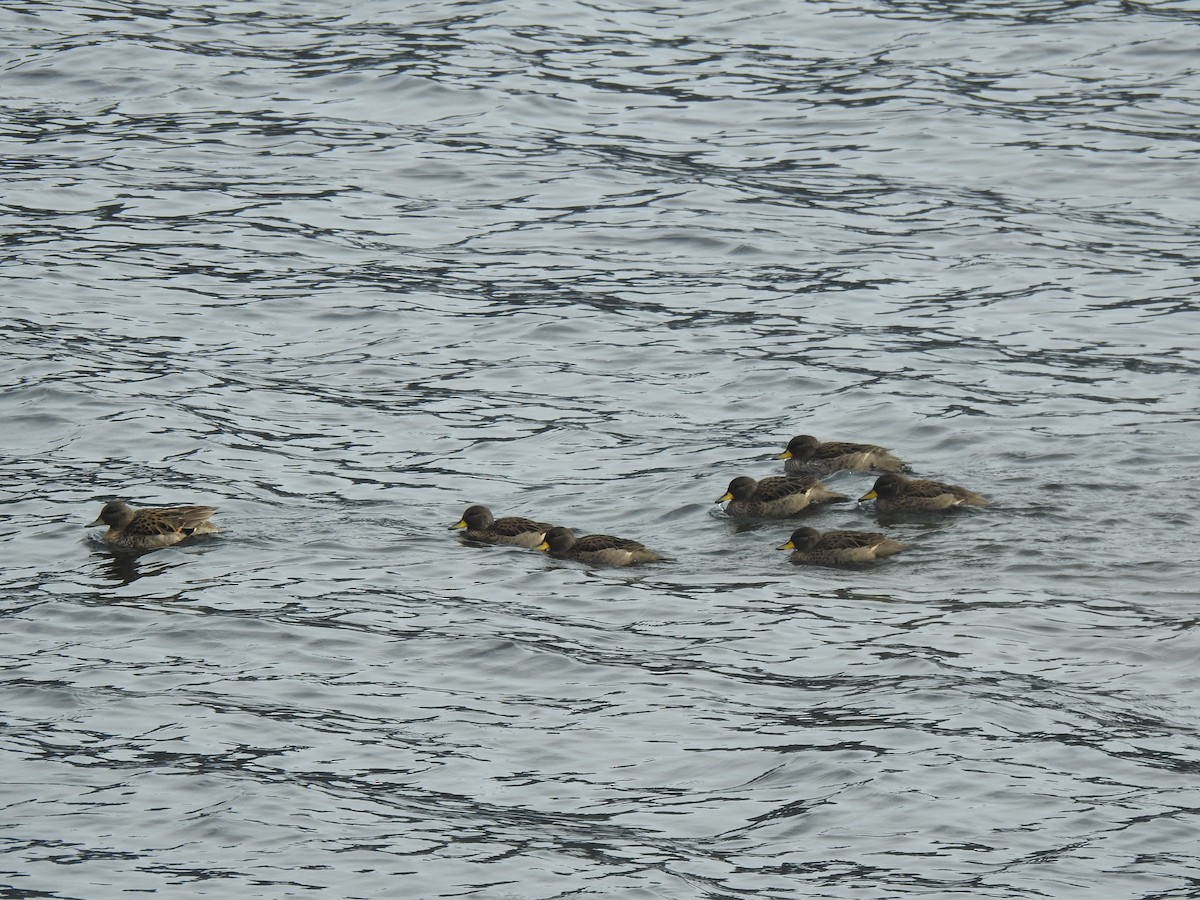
<point>344,271</point>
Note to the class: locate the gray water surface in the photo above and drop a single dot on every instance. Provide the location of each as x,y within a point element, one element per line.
<point>343,270</point>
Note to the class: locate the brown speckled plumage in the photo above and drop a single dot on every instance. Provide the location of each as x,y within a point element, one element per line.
<point>597,549</point>
<point>151,528</point>
<point>805,455</point>
<point>838,548</point>
<point>894,493</point>
<point>775,497</point>
<point>482,526</point>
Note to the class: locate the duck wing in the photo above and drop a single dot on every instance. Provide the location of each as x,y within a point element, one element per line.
<point>514,526</point>
<point>775,488</point>
<point>849,540</point>
<point>595,543</point>
<point>176,519</point>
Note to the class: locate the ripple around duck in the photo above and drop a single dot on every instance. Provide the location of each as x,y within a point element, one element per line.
<point>342,277</point>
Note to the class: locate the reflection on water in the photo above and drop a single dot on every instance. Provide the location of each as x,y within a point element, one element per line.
<point>125,567</point>
<point>343,273</point>
<point>122,568</point>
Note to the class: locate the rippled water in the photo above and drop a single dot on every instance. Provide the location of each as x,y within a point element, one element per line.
<point>342,271</point>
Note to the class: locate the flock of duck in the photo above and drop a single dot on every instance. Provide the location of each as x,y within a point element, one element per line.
<point>773,497</point>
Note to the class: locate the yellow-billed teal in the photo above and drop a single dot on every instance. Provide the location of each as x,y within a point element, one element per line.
<point>597,549</point>
<point>838,548</point>
<point>482,526</point>
<point>151,528</point>
<point>894,493</point>
<point>805,455</point>
<point>775,497</point>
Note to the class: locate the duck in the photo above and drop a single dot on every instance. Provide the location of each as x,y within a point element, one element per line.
<point>839,548</point>
<point>805,455</point>
<point>150,528</point>
<point>597,549</point>
<point>894,493</point>
<point>775,496</point>
<point>482,526</point>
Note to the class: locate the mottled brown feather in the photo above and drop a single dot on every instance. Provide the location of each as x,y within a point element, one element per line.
<point>835,548</point>
<point>598,549</point>
<point>895,493</point>
<point>153,527</point>
<point>482,526</point>
<point>776,496</point>
<point>805,455</point>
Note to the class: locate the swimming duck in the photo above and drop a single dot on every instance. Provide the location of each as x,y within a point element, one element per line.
<point>482,526</point>
<point>150,528</point>
<point>597,549</point>
<point>805,455</point>
<point>839,548</point>
<point>895,493</point>
<point>775,497</point>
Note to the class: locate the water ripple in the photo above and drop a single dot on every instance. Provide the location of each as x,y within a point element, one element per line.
<point>343,272</point>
